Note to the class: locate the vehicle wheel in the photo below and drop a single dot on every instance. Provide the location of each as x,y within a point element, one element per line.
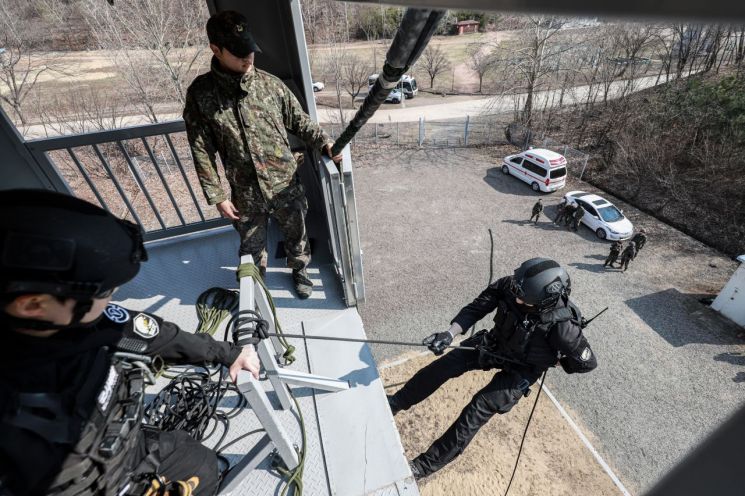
<point>601,233</point>
<point>505,170</point>
<point>535,187</point>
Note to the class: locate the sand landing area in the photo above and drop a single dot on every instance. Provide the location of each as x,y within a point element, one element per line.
<point>554,460</point>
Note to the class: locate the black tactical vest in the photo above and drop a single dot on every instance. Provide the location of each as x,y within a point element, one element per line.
<point>514,333</point>
<point>100,460</point>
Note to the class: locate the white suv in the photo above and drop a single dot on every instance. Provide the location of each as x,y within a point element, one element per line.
<point>544,170</point>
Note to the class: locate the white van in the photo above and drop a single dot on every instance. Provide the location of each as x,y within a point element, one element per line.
<point>407,85</point>
<point>544,170</point>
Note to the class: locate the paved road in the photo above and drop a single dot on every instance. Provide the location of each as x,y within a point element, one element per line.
<point>452,110</point>
<point>493,104</point>
<point>669,367</point>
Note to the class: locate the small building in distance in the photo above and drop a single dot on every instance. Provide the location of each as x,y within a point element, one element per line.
<point>469,26</point>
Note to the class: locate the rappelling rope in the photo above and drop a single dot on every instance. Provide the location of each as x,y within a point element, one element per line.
<point>293,477</point>
<point>249,269</point>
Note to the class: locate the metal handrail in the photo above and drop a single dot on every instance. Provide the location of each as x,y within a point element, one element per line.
<point>139,197</point>
<point>98,137</point>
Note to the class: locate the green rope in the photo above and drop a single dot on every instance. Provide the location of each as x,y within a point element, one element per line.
<point>294,477</point>
<point>253,271</point>
<point>213,306</point>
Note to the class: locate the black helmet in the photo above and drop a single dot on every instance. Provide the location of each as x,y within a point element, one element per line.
<point>541,282</point>
<point>56,244</point>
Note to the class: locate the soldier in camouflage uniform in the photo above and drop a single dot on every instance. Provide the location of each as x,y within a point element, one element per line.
<point>577,215</point>
<point>640,239</point>
<point>628,254</point>
<point>615,250</point>
<point>537,209</point>
<point>243,114</point>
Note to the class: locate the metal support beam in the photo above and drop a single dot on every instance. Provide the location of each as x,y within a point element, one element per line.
<point>252,296</point>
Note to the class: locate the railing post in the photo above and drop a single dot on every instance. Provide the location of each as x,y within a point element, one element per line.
<point>421,131</point>
<point>397,133</point>
<point>465,137</point>
<point>584,166</point>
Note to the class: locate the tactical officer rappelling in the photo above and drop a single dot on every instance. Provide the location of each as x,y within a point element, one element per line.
<point>74,366</point>
<point>536,326</point>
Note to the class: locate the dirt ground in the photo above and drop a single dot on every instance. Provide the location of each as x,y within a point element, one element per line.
<point>554,460</point>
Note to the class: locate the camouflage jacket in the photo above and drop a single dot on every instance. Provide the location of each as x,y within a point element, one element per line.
<point>245,119</point>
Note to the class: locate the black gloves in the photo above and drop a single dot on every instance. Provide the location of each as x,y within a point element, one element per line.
<point>438,342</point>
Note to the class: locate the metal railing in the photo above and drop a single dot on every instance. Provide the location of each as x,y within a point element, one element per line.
<point>142,173</point>
<point>341,217</point>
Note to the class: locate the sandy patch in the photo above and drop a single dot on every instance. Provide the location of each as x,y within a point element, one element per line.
<point>554,461</point>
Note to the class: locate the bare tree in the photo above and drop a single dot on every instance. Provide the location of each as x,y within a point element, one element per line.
<point>532,61</point>
<point>435,62</point>
<point>354,75</point>
<point>156,45</point>
<point>19,69</point>
<point>480,61</point>
<point>630,41</point>
<point>79,110</point>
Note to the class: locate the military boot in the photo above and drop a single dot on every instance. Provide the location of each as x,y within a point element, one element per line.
<point>303,284</point>
<point>393,404</point>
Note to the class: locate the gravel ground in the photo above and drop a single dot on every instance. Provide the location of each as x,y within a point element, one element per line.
<point>669,367</point>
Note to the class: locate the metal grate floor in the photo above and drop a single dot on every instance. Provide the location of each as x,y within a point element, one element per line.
<point>341,459</point>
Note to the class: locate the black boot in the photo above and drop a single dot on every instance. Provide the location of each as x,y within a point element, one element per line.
<point>395,407</point>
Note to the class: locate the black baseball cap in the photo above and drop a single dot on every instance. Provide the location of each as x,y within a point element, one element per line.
<point>229,30</point>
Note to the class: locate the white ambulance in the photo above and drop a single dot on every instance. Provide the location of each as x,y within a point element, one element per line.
<point>544,170</point>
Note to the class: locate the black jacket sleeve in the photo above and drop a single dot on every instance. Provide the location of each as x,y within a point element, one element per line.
<point>483,305</point>
<point>174,346</point>
<point>576,354</point>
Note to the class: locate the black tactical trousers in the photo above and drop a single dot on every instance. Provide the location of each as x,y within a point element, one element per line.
<point>612,258</point>
<point>179,457</point>
<point>499,396</point>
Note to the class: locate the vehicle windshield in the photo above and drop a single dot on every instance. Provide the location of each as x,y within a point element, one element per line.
<point>557,173</point>
<point>610,214</point>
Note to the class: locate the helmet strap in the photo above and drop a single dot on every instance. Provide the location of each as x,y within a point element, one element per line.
<point>81,308</point>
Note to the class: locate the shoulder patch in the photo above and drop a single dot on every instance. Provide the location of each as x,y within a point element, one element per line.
<point>146,326</point>
<point>586,354</point>
<point>116,314</point>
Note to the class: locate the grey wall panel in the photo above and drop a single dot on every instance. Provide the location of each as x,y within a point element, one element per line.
<point>17,167</point>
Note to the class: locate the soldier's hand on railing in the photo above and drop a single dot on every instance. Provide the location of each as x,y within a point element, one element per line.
<point>247,360</point>
<point>328,152</point>
<point>227,209</point>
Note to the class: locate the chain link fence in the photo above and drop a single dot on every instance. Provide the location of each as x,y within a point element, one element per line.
<point>469,131</point>
<point>481,130</point>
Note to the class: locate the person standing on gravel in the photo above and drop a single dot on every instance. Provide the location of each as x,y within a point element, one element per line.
<point>615,250</point>
<point>568,214</point>
<point>560,208</point>
<point>577,217</point>
<point>640,239</point>
<point>536,326</point>
<point>628,254</point>
<point>243,114</point>
<point>537,209</point>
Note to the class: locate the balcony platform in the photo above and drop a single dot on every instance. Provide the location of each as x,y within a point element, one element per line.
<point>353,447</point>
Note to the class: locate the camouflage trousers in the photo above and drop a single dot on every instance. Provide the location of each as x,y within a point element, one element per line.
<point>289,214</point>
